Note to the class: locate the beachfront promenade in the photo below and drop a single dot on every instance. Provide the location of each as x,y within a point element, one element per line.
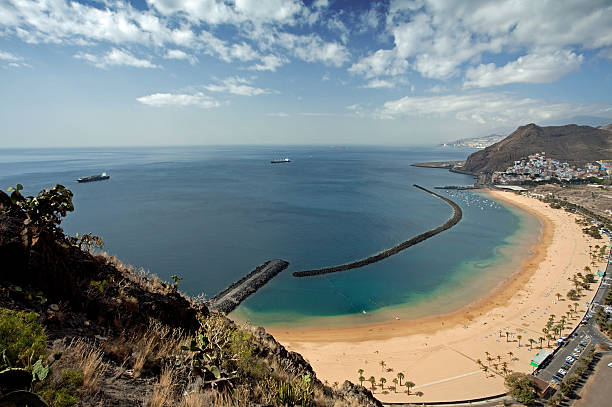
<point>440,354</point>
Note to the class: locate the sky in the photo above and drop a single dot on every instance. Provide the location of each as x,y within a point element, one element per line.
<point>197,72</point>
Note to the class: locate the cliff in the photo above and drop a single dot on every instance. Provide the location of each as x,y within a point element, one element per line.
<point>574,144</point>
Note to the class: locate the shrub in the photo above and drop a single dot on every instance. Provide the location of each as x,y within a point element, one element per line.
<point>64,392</point>
<point>22,339</point>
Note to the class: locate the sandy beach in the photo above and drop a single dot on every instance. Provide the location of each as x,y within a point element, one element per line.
<point>439,354</point>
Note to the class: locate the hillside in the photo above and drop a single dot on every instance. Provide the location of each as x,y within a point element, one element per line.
<point>574,144</point>
<point>86,330</point>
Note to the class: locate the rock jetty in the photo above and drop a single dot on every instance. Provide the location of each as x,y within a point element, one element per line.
<point>228,299</point>
<point>452,221</point>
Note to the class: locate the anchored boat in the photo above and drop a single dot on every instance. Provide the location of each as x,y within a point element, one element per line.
<point>95,177</point>
<point>284,160</point>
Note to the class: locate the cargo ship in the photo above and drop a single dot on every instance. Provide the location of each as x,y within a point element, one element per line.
<point>96,177</point>
<point>284,160</point>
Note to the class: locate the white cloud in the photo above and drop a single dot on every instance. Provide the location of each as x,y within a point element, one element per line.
<point>480,107</point>
<point>236,86</point>
<point>179,100</point>
<point>278,114</point>
<point>441,39</point>
<point>379,83</point>
<point>269,63</point>
<point>7,56</point>
<point>311,48</point>
<point>12,60</point>
<point>382,62</point>
<point>438,89</point>
<point>181,55</point>
<point>606,53</point>
<point>532,68</point>
<point>115,57</point>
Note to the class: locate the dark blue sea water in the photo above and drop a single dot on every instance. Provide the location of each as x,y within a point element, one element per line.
<point>211,214</point>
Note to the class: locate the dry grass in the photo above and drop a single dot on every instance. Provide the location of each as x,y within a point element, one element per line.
<point>138,275</point>
<point>85,357</point>
<point>157,342</point>
<point>163,391</point>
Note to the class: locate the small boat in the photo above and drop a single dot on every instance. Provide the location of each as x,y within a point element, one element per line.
<point>95,177</point>
<point>284,160</point>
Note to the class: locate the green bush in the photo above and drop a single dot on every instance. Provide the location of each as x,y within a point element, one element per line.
<point>22,339</point>
<point>65,391</point>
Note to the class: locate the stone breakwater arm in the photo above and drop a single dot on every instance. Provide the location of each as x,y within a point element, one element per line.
<point>452,221</point>
<point>228,299</point>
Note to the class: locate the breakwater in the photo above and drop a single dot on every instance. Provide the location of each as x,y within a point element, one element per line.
<point>228,299</point>
<point>452,221</point>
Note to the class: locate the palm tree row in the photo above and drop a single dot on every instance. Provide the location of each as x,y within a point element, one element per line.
<point>397,381</point>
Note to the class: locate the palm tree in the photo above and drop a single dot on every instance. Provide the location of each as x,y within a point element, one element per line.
<point>382,365</point>
<point>505,368</point>
<point>373,381</point>
<point>336,385</point>
<point>575,307</point>
<point>360,371</point>
<point>495,366</point>
<point>510,354</point>
<point>479,362</point>
<point>382,381</point>
<point>394,384</point>
<point>361,380</point>
<point>541,339</point>
<point>419,394</point>
<point>400,376</point>
<point>489,359</point>
<point>548,338</point>
<point>507,335</point>
<point>531,341</point>
<point>519,337</point>
<point>409,385</point>
<point>558,296</point>
<point>485,369</point>
<point>498,358</point>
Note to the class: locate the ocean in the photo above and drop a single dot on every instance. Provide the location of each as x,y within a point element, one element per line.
<point>212,214</point>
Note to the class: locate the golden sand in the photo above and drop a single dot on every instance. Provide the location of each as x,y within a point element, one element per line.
<point>439,353</point>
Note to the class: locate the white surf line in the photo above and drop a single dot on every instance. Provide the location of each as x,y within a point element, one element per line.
<point>448,379</point>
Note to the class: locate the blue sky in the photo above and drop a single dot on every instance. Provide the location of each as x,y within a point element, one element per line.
<point>411,72</point>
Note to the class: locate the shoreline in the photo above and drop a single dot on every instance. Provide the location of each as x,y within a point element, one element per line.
<point>503,291</point>
<point>439,353</point>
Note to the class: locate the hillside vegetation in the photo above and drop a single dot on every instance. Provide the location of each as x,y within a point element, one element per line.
<point>573,144</point>
<point>81,328</point>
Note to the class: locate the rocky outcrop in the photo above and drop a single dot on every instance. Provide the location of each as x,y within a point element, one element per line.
<point>86,283</point>
<point>573,144</point>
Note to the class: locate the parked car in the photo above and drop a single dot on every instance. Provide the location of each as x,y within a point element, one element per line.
<point>562,372</point>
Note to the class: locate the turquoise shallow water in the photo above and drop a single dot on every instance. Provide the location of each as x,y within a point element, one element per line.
<point>211,214</point>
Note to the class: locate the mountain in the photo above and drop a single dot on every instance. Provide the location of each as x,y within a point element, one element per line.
<point>574,144</point>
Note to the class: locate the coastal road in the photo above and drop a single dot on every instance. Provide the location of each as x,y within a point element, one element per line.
<point>589,331</point>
